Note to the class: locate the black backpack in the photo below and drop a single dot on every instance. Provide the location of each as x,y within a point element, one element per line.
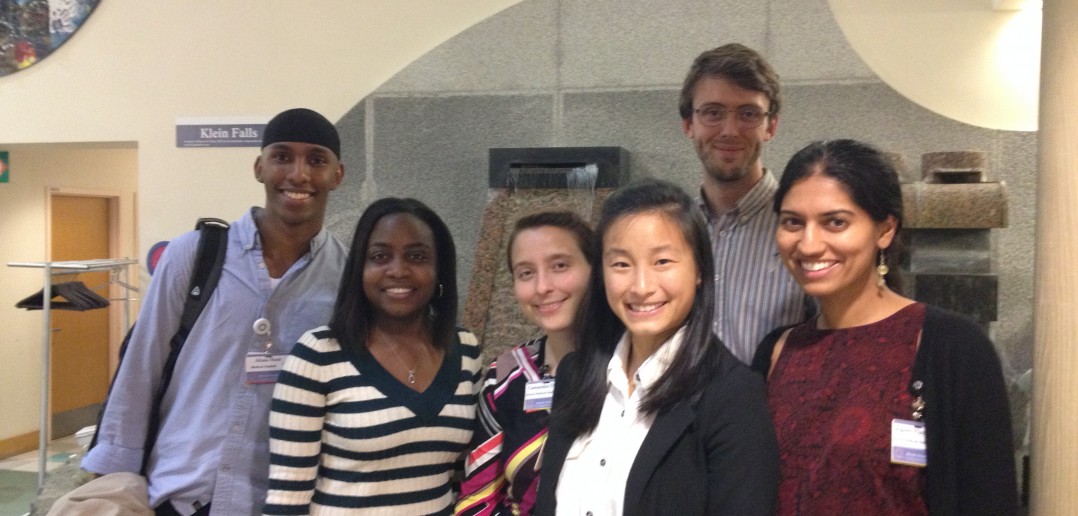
<point>209,260</point>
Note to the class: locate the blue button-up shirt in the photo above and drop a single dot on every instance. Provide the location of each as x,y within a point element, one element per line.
<point>213,442</point>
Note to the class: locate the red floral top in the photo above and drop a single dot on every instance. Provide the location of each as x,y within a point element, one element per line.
<point>833,394</point>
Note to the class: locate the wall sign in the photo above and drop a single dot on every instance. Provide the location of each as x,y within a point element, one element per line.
<point>220,131</point>
<point>31,30</point>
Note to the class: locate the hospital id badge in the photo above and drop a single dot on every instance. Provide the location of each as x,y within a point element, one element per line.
<point>263,367</point>
<point>908,443</point>
<point>538,395</point>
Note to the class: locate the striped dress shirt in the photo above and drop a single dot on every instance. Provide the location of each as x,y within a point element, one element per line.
<point>346,437</point>
<point>754,293</point>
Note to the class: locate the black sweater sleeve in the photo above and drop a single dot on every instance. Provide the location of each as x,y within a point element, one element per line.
<point>967,419</point>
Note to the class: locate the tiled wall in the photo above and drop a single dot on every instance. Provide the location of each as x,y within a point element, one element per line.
<point>607,73</point>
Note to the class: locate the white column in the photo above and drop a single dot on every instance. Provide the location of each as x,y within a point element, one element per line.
<point>1054,456</point>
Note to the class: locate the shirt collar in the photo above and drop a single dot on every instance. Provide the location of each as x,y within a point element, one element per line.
<point>760,197</point>
<point>653,367</point>
<point>250,238</point>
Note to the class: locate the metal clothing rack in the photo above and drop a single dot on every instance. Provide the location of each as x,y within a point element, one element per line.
<point>118,266</point>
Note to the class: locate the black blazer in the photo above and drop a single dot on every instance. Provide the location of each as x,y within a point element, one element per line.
<point>714,454</point>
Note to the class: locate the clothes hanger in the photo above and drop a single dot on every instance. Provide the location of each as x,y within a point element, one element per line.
<point>75,296</point>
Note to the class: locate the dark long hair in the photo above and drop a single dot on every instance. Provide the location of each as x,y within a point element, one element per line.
<point>869,178</point>
<point>598,329</point>
<point>352,312</point>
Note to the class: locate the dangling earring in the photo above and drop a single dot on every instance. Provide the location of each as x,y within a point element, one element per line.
<point>881,271</point>
<point>440,292</point>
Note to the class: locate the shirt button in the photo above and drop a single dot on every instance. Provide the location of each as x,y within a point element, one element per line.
<point>623,413</point>
<point>261,265</point>
<point>602,462</point>
<point>588,513</point>
<point>235,429</point>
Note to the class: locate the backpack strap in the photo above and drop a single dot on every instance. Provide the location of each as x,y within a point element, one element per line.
<point>209,260</point>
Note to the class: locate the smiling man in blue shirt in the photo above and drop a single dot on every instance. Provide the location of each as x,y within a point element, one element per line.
<point>281,270</point>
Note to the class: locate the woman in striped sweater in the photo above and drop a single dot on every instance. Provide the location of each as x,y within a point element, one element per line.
<point>372,414</point>
<point>550,256</point>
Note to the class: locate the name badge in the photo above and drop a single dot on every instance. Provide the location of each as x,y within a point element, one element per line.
<point>908,443</point>
<point>263,367</point>
<point>538,395</point>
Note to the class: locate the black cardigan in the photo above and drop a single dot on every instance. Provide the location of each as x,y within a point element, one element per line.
<point>714,454</point>
<point>967,416</point>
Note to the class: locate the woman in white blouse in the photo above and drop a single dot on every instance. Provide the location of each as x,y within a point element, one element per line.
<point>652,415</point>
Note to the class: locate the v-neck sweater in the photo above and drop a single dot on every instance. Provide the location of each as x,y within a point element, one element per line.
<point>346,436</point>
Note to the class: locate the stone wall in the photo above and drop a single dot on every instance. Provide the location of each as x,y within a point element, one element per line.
<point>607,73</point>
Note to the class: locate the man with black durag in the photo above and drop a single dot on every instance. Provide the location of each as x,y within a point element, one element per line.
<point>280,278</point>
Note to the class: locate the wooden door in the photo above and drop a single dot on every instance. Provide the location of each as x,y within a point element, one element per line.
<point>80,340</point>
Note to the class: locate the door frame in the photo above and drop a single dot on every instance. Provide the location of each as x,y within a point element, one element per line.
<point>121,238</point>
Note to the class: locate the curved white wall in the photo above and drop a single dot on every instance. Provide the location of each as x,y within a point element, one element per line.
<point>135,67</point>
<point>959,58</point>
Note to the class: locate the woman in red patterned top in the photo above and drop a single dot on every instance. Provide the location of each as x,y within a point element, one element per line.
<point>882,405</point>
<point>550,255</point>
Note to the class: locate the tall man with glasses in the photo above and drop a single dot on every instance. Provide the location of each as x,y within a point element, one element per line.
<point>729,108</point>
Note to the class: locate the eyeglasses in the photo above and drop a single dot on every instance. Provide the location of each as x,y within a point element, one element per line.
<point>747,117</point>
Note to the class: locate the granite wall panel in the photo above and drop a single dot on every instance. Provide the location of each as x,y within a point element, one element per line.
<point>514,50</point>
<point>346,204</point>
<point>434,148</point>
<point>806,43</point>
<point>645,123</point>
<point>614,43</point>
<point>607,73</point>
